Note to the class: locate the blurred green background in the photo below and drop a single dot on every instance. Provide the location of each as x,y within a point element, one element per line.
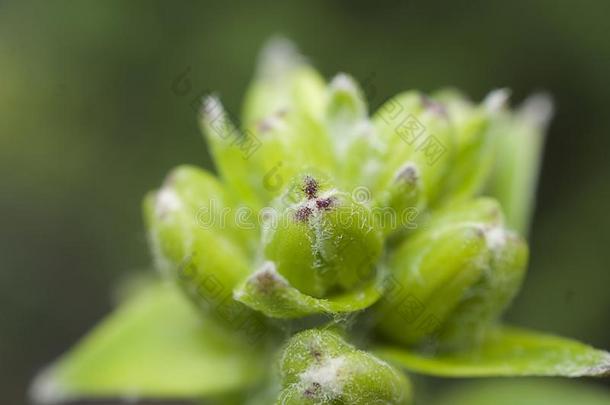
<point>89,123</point>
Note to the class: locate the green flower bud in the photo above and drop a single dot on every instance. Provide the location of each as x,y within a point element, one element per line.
<point>352,133</point>
<point>413,128</point>
<point>283,81</point>
<point>401,200</point>
<point>345,105</point>
<point>284,152</point>
<point>319,367</point>
<point>431,272</point>
<point>481,210</point>
<point>474,154</point>
<point>454,278</point>
<point>231,150</point>
<point>518,139</point>
<point>205,252</point>
<point>491,295</point>
<point>284,101</point>
<point>325,241</point>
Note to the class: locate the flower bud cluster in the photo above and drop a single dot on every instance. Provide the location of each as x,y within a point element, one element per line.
<point>338,211</point>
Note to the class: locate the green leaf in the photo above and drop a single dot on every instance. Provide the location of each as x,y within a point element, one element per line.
<point>153,345</point>
<point>525,392</point>
<point>270,293</point>
<point>508,351</point>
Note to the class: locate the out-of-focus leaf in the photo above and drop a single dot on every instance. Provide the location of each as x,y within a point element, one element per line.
<point>508,351</point>
<point>154,345</point>
<point>525,392</point>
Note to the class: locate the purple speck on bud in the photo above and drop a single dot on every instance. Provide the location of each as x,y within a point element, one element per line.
<point>324,203</point>
<point>313,391</point>
<point>272,121</point>
<point>303,214</point>
<point>310,187</point>
<point>408,174</point>
<point>434,106</point>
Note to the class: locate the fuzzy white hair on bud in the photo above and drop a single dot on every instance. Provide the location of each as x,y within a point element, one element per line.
<point>496,100</point>
<point>538,110</point>
<point>266,279</point>
<point>409,173</point>
<point>211,107</point>
<point>495,237</point>
<point>328,376</point>
<point>273,122</point>
<point>278,57</point>
<point>344,82</point>
<point>167,201</point>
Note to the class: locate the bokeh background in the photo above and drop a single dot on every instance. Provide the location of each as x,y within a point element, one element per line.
<point>89,123</point>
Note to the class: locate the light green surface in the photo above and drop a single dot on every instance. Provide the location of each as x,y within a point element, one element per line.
<point>508,352</point>
<point>525,392</point>
<point>154,345</point>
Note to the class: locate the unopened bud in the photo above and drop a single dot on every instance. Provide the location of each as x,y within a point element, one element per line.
<point>415,128</point>
<point>454,277</point>
<point>474,154</point>
<point>319,367</point>
<point>432,272</point>
<point>491,295</point>
<point>325,240</point>
<point>207,256</point>
<point>518,141</point>
<point>401,195</point>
